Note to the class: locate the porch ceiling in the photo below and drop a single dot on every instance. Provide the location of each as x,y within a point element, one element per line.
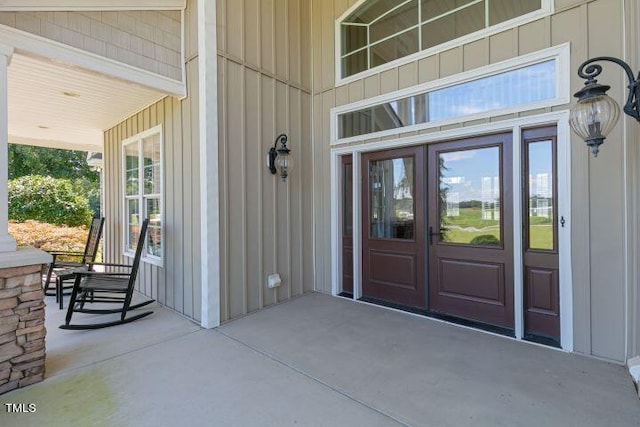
<point>54,105</point>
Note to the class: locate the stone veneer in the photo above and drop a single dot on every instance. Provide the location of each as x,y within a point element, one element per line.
<point>22,330</point>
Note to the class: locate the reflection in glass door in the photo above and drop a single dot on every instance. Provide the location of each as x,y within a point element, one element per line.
<point>470,196</point>
<point>391,201</point>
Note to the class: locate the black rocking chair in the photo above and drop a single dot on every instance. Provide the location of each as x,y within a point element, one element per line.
<point>92,287</point>
<point>64,264</point>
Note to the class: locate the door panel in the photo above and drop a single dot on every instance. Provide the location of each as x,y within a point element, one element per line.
<point>540,224</point>
<point>347,224</point>
<point>393,226</point>
<point>470,229</point>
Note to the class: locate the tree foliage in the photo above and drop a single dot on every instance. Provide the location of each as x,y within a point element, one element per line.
<point>67,164</point>
<point>47,199</point>
<point>25,160</point>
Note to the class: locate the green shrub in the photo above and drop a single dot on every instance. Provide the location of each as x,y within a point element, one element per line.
<point>47,199</point>
<point>485,239</point>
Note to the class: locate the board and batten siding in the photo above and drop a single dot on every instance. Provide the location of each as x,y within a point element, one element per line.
<point>599,258</point>
<point>150,40</point>
<point>177,283</point>
<point>264,89</point>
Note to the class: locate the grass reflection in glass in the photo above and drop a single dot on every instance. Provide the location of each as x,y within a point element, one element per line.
<point>469,227</point>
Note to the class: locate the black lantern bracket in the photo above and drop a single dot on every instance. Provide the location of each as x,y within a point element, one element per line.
<point>589,71</point>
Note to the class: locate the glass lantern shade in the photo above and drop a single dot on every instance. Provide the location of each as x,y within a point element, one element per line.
<point>284,163</point>
<point>593,118</point>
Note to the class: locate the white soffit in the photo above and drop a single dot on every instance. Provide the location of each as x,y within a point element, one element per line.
<point>64,107</point>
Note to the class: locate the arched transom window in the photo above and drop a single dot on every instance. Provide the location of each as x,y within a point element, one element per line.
<point>381,31</point>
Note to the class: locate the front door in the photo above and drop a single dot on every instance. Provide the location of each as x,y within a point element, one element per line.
<point>393,184</point>
<point>470,223</point>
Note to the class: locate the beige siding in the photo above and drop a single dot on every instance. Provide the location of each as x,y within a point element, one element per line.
<point>177,283</point>
<point>598,258</point>
<point>264,89</point>
<point>150,40</point>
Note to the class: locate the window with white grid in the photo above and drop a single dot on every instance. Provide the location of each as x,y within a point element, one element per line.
<point>142,190</point>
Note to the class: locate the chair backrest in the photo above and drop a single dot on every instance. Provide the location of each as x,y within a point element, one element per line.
<point>138,255</point>
<point>93,240</point>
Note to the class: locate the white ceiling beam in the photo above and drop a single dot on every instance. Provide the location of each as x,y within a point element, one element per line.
<point>89,5</point>
<point>33,45</point>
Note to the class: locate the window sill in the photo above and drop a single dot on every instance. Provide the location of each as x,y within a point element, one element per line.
<point>146,259</point>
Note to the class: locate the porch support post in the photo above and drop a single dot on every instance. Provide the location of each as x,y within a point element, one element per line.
<point>7,242</point>
<point>209,202</point>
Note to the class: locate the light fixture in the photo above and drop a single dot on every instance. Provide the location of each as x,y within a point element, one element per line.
<point>94,160</point>
<point>595,114</point>
<point>71,94</point>
<point>280,161</point>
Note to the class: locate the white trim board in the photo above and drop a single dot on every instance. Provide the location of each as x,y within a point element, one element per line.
<point>89,5</point>
<point>546,9</point>
<point>36,46</point>
<point>48,143</point>
<point>560,119</point>
<point>209,179</point>
<point>559,53</point>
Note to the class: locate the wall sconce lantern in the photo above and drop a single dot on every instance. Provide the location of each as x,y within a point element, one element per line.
<point>595,114</point>
<point>280,161</point>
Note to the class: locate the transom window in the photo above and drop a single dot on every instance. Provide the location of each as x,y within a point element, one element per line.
<point>381,31</point>
<point>515,88</point>
<point>142,185</point>
<point>528,82</point>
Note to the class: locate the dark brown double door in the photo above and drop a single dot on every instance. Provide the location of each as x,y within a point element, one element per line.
<point>442,212</point>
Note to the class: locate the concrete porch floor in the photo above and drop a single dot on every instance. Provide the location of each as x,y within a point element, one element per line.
<point>316,360</point>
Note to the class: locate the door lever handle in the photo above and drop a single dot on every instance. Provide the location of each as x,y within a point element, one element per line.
<point>435,233</point>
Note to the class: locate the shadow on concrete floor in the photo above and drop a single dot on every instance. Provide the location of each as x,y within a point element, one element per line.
<point>316,360</point>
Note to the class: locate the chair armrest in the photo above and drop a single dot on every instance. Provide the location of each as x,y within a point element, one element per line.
<point>55,255</point>
<point>99,274</point>
<point>109,264</point>
<point>69,264</point>
<point>65,252</point>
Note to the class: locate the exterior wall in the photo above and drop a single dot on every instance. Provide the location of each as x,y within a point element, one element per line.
<point>599,199</point>
<point>150,40</point>
<point>264,90</point>
<point>177,283</point>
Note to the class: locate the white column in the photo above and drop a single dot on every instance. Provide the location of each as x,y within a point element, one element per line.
<point>7,242</point>
<point>209,202</point>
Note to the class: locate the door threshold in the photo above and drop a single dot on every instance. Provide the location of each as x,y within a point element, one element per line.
<point>447,318</point>
<point>538,339</point>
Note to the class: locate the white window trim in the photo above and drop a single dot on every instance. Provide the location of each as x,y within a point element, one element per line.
<point>560,54</point>
<point>546,9</point>
<point>156,130</point>
<point>560,119</point>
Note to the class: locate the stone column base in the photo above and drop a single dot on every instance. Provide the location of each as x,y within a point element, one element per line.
<point>22,330</point>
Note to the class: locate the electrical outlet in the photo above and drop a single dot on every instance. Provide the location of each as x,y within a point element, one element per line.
<point>273,281</point>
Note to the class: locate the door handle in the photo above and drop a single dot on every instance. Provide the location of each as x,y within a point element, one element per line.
<point>435,233</point>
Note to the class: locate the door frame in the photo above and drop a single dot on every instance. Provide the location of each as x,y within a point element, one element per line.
<point>559,119</point>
